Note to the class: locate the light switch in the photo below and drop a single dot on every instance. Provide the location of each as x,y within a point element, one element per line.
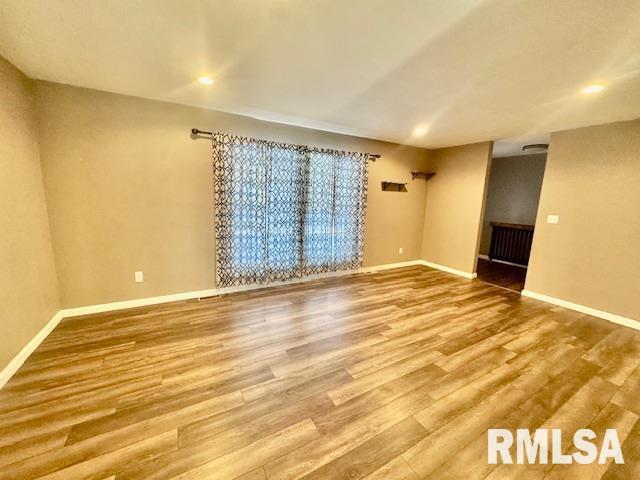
<point>553,218</point>
<point>401,250</point>
<point>139,276</point>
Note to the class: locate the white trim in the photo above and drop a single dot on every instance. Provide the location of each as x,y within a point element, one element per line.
<point>13,366</point>
<point>449,269</point>
<point>308,278</point>
<point>143,302</point>
<point>21,357</point>
<point>612,317</point>
<point>486,257</point>
<point>389,266</point>
<point>138,302</point>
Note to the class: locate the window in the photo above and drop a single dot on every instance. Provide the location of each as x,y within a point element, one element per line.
<point>284,211</point>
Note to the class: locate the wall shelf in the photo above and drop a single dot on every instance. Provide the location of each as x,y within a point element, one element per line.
<point>393,186</point>
<point>426,175</point>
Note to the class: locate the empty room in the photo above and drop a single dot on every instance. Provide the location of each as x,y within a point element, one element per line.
<point>319,239</point>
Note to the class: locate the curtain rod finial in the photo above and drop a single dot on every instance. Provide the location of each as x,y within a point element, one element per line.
<point>197,131</point>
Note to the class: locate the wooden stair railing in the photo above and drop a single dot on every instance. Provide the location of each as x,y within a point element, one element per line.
<point>511,242</point>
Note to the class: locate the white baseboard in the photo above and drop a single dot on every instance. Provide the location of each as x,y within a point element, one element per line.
<point>448,269</point>
<point>612,317</point>
<point>389,266</point>
<point>13,366</point>
<point>309,278</point>
<point>138,302</point>
<point>143,302</point>
<point>19,359</point>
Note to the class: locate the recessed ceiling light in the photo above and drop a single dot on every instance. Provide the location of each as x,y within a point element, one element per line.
<point>419,131</point>
<point>593,88</point>
<point>205,80</point>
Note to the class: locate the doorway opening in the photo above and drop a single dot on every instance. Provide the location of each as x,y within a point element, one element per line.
<point>511,205</point>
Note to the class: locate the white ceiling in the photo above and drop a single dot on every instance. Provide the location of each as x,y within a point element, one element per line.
<point>467,70</point>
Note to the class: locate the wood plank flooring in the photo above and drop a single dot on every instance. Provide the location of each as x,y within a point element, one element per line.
<point>390,375</point>
<point>501,274</point>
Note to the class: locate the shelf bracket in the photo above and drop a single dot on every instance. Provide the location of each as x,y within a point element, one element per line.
<point>393,186</point>
<point>426,175</point>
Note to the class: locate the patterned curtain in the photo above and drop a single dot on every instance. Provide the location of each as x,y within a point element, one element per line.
<point>284,211</point>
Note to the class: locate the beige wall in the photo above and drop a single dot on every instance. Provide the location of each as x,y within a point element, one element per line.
<point>592,256</point>
<point>513,194</point>
<point>454,207</point>
<point>28,284</point>
<point>129,189</point>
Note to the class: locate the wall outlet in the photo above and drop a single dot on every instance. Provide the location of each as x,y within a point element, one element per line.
<point>139,276</point>
<point>553,218</point>
<point>401,250</point>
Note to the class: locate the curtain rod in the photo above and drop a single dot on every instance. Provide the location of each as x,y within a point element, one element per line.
<point>196,131</point>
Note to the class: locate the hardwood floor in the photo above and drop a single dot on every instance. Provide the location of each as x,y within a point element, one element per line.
<point>390,375</point>
<point>501,274</point>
